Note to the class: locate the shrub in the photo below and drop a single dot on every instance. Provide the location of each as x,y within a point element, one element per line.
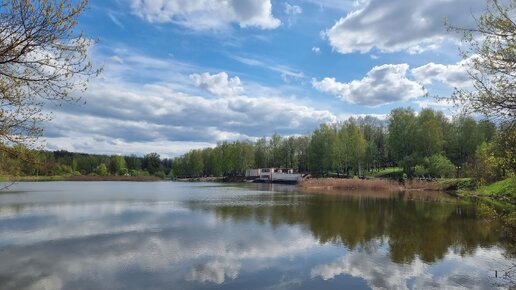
<point>486,167</point>
<point>102,170</point>
<point>440,166</point>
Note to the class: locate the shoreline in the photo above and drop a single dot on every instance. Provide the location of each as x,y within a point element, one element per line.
<point>77,178</point>
<point>377,184</point>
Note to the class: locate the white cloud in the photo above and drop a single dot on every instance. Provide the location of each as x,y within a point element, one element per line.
<point>316,50</point>
<point>285,71</point>
<point>332,4</point>
<point>453,75</point>
<point>207,14</point>
<point>400,25</point>
<point>142,105</point>
<point>382,85</point>
<point>218,84</point>
<point>292,9</point>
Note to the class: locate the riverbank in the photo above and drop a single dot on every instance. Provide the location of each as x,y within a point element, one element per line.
<point>500,196</point>
<point>76,178</point>
<point>370,184</point>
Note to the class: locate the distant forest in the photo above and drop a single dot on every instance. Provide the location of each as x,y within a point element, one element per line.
<point>423,144</point>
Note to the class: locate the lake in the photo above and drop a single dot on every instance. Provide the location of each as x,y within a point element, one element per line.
<point>168,235</point>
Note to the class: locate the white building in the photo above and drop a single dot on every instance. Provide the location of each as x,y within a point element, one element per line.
<point>273,175</point>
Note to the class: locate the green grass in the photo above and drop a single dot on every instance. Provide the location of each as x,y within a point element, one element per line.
<point>6,178</point>
<point>388,172</point>
<point>500,195</point>
<point>506,187</point>
<point>457,183</point>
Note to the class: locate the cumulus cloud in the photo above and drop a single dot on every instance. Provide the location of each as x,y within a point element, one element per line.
<point>400,25</point>
<point>207,14</point>
<point>316,50</point>
<point>171,115</point>
<point>382,85</point>
<point>141,105</point>
<point>454,75</point>
<point>218,84</point>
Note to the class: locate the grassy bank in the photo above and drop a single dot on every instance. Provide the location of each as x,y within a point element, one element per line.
<point>4,178</point>
<point>501,195</point>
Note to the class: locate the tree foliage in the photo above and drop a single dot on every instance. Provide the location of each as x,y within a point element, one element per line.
<point>42,59</point>
<point>491,56</point>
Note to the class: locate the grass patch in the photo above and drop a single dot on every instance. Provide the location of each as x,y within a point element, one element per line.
<point>5,178</point>
<point>457,183</point>
<point>391,172</point>
<point>503,188</point>
<point>500,195</point>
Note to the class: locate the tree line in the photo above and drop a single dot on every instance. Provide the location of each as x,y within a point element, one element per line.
<point>49,163</point>
<point>420,144</point>
<point>423,144</point>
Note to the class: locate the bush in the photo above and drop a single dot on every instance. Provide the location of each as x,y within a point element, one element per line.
<point>420,170</point>
<point>440,166</point>
<point>102,170</point>
<point>136,172</point>
<point>123,172</point>
<point>62,169</point>
<point>436,165</point>
<point>486,167</point>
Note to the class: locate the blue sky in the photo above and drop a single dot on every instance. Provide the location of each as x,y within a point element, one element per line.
<point>185,74</point>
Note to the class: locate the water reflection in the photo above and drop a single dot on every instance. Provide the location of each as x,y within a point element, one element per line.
<point>411,228</point>
<point>204,237</point>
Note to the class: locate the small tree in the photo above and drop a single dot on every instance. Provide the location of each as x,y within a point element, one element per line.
<point>152,163</point>
<point>491,56</point>
<point>440,166</point>
<point>102,170</point>
<point>486,168</point>
<point>42,58</point>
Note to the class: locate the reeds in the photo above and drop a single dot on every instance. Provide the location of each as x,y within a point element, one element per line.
<point>352,184</point>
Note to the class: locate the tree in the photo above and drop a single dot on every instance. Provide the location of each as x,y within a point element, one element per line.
<point>42,59</point>
<point>429,134</point>
<point>486,167</point>
<point>117,165</point>
<point>152,163</point>
<point>440,166</point>
<point>505,146</point>
<point>401,141</point>
<point>491,56</point>
<point>102,170</point>
<point>261,153</point>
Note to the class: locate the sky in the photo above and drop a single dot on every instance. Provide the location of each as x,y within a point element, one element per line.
<point>186,74</point>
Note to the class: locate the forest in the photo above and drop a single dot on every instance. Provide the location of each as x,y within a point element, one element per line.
<point>421,144</point>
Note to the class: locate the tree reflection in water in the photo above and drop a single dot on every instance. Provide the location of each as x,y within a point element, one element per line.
<point>412,226</point>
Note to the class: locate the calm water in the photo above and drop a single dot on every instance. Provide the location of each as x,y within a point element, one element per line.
<point>165,235</point>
